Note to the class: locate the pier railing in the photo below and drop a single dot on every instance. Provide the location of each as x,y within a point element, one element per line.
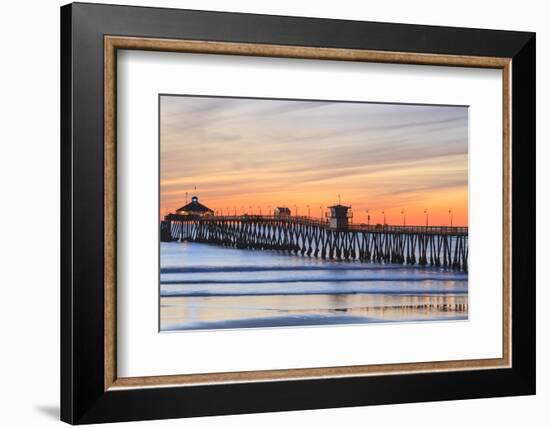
<point>413,245</point>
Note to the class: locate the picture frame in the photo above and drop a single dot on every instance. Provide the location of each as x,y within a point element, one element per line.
<point>91,35</point>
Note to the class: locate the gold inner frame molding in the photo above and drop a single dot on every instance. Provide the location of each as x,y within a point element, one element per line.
<point>113,43</point>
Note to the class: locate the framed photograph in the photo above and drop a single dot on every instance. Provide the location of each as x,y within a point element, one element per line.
<point>265,213</point>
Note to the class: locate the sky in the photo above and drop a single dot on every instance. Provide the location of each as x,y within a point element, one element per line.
<point>252,155</point>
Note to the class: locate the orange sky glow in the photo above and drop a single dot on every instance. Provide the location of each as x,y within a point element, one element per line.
<point>252,155</point>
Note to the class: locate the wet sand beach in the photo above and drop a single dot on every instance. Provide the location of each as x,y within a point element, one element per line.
<point>210,287</point>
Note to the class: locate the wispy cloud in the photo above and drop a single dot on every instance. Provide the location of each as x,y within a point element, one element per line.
<point>254,151</point>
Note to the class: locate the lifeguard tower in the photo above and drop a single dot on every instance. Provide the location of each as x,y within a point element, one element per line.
<point>339,217</point>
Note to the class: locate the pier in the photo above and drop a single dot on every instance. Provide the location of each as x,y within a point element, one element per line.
<point>331,238</point>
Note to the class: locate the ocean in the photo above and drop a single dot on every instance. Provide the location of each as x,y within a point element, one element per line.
<point>204,286</point>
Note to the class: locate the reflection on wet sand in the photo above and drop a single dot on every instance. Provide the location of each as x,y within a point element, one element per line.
<point>181,313</point>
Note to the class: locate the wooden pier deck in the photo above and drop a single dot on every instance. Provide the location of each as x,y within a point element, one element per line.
<point>408,245</point>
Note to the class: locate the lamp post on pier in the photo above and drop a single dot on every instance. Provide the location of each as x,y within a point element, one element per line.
<point>384,214</point>
<point>404,217</point>
<point>451,214</point>
<point>427,216</point>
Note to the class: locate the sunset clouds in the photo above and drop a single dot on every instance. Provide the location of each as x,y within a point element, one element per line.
<point>249,154</point>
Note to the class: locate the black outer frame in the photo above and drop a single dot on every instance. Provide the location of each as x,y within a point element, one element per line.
<point>83,399</point>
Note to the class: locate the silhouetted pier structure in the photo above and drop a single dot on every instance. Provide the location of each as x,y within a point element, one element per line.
<point>332,238</point>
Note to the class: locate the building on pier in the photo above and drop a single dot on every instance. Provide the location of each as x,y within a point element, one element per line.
<point>195,208</point>
<point>283,212</point>
<point>339,216</point>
